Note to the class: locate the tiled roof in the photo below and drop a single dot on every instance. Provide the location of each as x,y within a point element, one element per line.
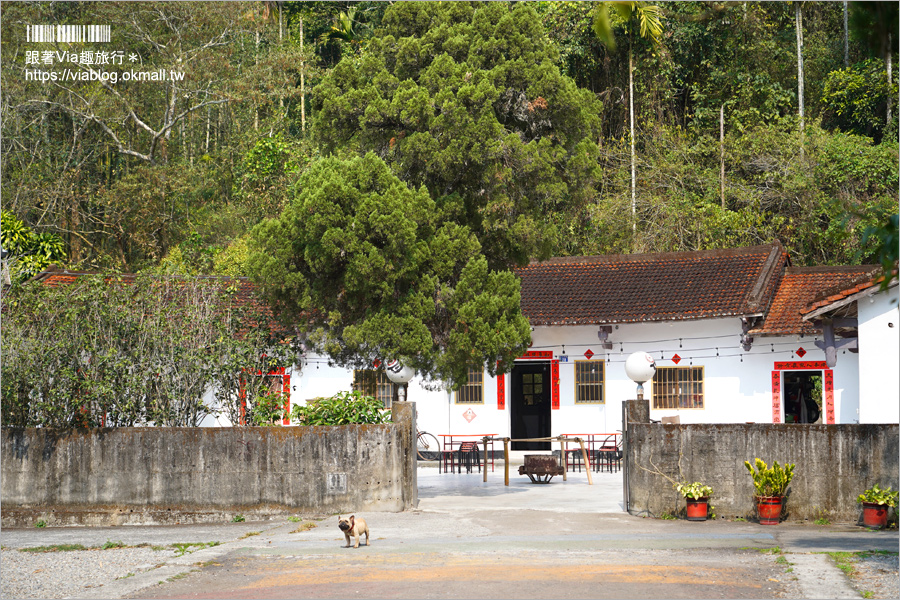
<point>836,294</point>
<point>799,287</point>
<point>243,292</point>
<point>651,287</point>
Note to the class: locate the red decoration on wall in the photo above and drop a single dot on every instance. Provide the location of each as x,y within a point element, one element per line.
<point>501,391</point>
<point>801,352</point>
<point>588,354</point>
<point>828,392</point>
<point>776,396</point>
<point>800,365</point>
<point>537,355</point>
<point>827,386</point>
<point>676,359</point>
<point>286,390</point>
<point>554,380</point>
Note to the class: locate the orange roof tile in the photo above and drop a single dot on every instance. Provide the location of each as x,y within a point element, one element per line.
<point>651,287</point>
<point>800,287</point>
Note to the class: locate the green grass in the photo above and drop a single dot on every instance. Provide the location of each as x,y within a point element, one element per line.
<point>249,534</point>
<point>108,545</point>
<point>667,517</point>
<point>822,521</point>
<point>781,560</point>
<point>867,594</point>
<point>844,561</point>
<point>40,524</point>
<point>183,548</point>
<point>772,550</point>
<point>238,519</point>
<point>305,527</point>
<point>739,520</point>
<point>55,548</point>
<point>294,519</point>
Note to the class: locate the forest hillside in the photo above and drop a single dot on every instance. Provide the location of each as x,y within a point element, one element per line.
<point>538,128</point>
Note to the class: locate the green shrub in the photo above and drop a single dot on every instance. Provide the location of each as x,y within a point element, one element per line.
<point>876,495</point>
<point>268,409</point>
<point>344,408</point>
<point>770,481</point>
<point>694,490</point>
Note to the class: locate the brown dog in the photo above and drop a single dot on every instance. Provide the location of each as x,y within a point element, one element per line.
<point>355,527</point>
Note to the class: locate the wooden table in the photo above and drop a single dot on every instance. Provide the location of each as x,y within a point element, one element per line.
<point>462,448</point>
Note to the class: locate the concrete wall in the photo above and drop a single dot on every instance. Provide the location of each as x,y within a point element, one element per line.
<point>123,475</point>
<point>879,357</point>
<point>834,464</point>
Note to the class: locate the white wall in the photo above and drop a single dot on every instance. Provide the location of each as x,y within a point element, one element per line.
<point>879,357</point>
<point>737,382</point>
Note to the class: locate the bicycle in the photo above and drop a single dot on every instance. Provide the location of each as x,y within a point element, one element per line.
<point>427,446</point>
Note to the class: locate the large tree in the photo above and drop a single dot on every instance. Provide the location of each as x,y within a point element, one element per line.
<point>369,270</point>
<point>468,101</point>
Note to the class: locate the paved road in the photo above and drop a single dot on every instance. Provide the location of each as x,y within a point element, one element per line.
<point>469,539</point>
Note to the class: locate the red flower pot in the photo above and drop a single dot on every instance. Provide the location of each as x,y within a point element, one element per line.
<point>769,509</point>
<point>697,509</point>
<point>875,515</point>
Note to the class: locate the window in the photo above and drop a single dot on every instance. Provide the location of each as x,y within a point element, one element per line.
<point>374,383</point>
<point>589,382</point>
<point>471,391</point>
<point>678,387</point>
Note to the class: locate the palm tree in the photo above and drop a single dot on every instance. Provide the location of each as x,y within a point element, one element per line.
<point>646,19</point>
<point>344,30</point>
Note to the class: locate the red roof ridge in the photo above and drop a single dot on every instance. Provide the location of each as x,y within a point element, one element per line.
<point>655,256</point>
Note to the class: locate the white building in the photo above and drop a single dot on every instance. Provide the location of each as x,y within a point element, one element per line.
<point>737,335</point>
<point>865,318</point>
<point>724,327</point>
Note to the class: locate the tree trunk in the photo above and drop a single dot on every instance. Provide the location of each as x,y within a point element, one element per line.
<point>846,38</point>
<point>798,12</point>
<point>256,62</point>
<point>890,80</point>
<point>302,84</point>
<point>722,153</point>
<point>631,121</point>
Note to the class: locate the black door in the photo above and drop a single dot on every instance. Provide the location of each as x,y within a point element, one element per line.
<point>530,405</point>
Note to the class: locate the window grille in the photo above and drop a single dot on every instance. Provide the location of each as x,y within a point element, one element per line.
<point>374,383</point>
<point>678,387</point>
<point>472,391</point>
<point>589,375</point>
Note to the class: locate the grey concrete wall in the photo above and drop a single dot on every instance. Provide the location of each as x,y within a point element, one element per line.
<point>121,475</point>
<point>834,464</point>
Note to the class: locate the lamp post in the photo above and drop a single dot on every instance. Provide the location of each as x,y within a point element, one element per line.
<point>640,367</point>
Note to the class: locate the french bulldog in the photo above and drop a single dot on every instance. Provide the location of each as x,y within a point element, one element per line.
<point>355,527</point>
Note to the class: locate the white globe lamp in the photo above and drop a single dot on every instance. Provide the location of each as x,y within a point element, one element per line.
<point>640,367</point>
<point>400,374</point>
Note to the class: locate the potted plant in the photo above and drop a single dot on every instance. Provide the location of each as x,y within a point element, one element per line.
<point>875,503</point>
<point>696,496</point>
<point>770,484</point>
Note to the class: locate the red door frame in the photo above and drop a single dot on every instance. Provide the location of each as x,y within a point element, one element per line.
<point>285,390</point>
<point>554,378</point>
<point>827,386</point>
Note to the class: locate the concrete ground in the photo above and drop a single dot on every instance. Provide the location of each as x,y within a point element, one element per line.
<point>565,539</point>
